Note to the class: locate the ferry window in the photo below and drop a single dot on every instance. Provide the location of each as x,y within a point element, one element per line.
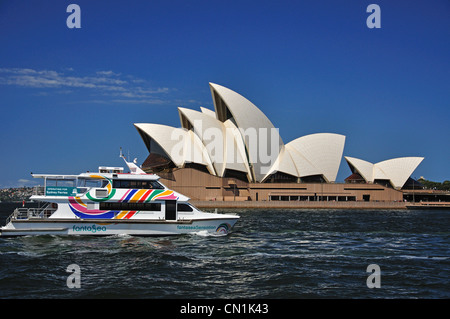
<point>60,182</point>
<point>146,185</point>
<point>94,183</point>
<point>184,208</point>
<point>134,184</point>
<point>137,184</point>
<point>81,182</point>
<point>130,206</point>
<point>121,184</point>
<point>50,182</point>
<point>156,185</point>
<point>66,182</point>
<point>84,182</point>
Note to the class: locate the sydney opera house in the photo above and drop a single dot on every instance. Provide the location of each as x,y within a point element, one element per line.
<point>235,153</point>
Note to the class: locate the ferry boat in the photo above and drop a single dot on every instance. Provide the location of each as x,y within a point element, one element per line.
<point>111,202</point>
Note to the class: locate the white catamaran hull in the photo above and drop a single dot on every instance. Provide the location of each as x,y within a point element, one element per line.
<point>98,227</point>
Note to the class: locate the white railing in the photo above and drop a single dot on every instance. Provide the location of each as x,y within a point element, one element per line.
<point>35,212</point>
<point>39,190</point>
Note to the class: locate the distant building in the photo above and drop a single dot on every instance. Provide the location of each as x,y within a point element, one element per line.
<point>235,153</point>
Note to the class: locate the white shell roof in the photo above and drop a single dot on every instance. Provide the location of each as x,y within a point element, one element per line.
<point>364,168</point>
<point>303,165</point>
<point>180,145</point>
<point>208,111</point>
<point>397,170</point>
<point>284,164</point>
<point>235,157</point>
<point>252,121</point>
<point>218,139</point>
<point>323,152</point>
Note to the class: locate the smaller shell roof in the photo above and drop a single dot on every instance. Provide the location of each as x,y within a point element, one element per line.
<point>396,170</point>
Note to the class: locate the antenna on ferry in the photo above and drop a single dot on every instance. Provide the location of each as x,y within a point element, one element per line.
<point>134,169</point>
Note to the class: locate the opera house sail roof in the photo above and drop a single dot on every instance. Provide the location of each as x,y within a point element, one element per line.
<point>238,138</point>
<point>396,170</point>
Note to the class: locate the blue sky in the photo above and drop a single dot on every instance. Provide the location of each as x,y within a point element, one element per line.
<point>69,97</point>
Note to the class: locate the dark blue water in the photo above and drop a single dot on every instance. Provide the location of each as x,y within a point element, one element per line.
<point>270,254</point>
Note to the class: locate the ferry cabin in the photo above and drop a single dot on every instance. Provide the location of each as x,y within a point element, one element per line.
<point>110,194</point>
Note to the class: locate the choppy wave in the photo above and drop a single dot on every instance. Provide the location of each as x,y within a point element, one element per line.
<point>205,233</point>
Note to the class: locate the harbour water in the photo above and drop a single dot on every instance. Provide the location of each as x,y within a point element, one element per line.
<point>271,254</point>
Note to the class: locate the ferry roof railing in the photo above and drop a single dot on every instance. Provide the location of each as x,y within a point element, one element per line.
<point>54,176</point>
<point>88,175</point>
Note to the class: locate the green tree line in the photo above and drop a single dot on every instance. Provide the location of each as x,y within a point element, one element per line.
<point>445,185</point>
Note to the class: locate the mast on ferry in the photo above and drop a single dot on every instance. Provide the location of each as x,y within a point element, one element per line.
<point>134,169</point>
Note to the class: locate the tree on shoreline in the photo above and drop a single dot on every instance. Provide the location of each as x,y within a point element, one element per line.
<point>444,186</point>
